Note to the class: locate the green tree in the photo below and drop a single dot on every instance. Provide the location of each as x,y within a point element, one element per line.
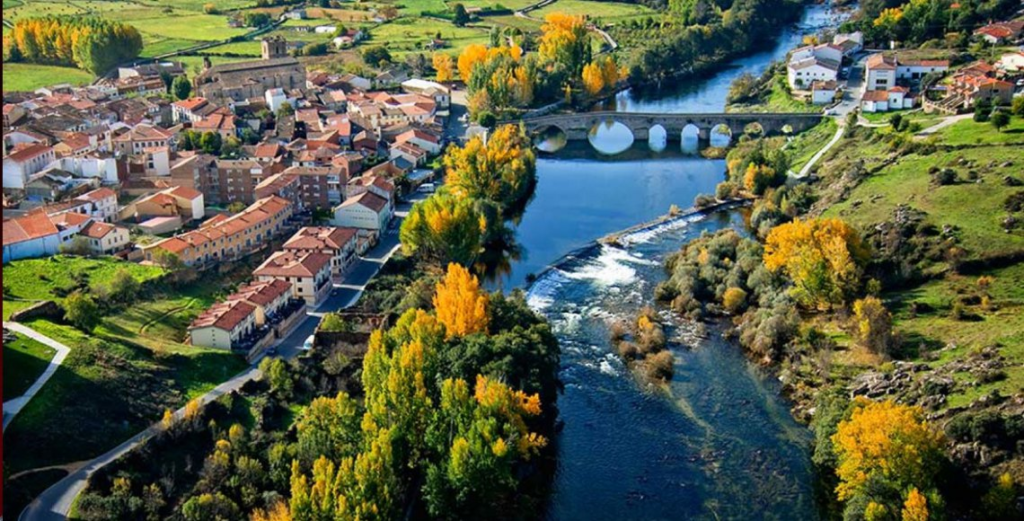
<point>232,147</point>
<point>1000,119</point>
<point>181,88</point>
<point>329,427</point>
<point>376,56</point>
<point>286,109</point>
<point>210,143</point>
<point>256,19</point>
<point>1018,106</point>
<point>168,80</point>
<point>209,507</point>
<point>276,374</point>
<point>461,16</point>
<point>443,229</point>
<point>81,311</point>
<point>124,288</point>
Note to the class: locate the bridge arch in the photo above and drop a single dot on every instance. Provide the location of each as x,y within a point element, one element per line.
<point>609,136</point>
<point>657,138</point>
<point>549,138</point>
<point>720,135</point>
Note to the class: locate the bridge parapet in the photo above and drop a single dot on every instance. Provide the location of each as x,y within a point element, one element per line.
<point>577,126</point>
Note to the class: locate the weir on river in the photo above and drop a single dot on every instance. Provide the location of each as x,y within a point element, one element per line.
<point>718,442</point>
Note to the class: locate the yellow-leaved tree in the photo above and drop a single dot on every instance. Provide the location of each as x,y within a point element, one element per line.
<point>886,444</point>
<point>501,171</point>
<point>823,258</point>
<point>565,40</point>
<point>442,229</point>
<point>443,65</point>
<point>593,78</point>
<point>470,57</point>
<point>278,512</point>
<point>915,508</point>
<point>873,325</point>
<point>460,305</point>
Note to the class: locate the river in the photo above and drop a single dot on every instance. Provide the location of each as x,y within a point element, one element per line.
<point>719,442</point>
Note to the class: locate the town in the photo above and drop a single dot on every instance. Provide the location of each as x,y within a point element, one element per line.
<point>274,259</point>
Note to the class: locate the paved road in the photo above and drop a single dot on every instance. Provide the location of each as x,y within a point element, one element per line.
<point>828,146</point>
<point>951,120</point>
<point>55,503</point>
<point>13,407</point>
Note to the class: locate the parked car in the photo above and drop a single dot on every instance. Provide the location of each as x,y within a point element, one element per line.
<point>308,344</point>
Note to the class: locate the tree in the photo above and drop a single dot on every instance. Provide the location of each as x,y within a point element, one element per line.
<point>168,80</point>
<point>471,56</point>
<point>873,325</point>
<point>442,63</point>
<point>256,19</point>
<point>210,143</point>
<point>822,257</point>
<point>249,136</point>
<point>376,56</point>
<point>461,16</point>
<point>232,147</point>
<point>1018,106</point>
<point>460,304</point>
<point>207,507</point>
<point>329,427</point>
<point>181,88</point>
<point>285,110</point>
<point>734,299</point>
<point>210,9</point>
<point>236,207</point>
<point>81,311</point>
<point>885,444</point>
<point>333,323</point>
<point>124,288</point>
<point>79,245</point>
<point>1000,119</point>
<point>502,171</point>
<point>593,80</point>
<point>277,512</point>
<point>915,508</point>
<point>275,372</point>
<point>759,178</point>
<point>89,43</point>
<point>565,41</point>
<point>443,229</point>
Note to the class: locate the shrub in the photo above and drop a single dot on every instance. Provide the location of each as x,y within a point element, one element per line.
<point>660,365</point>
<point>734,299</point>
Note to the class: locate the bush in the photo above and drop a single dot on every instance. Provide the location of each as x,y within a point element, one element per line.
<point>660,365</point>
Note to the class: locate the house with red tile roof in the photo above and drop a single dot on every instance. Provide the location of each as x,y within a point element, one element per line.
<point>308,272</point>
<point>105,239</point>
<point>226,325</point>
<point>271,299</point>
<point>367,211</point>
<point>339,243</point>
<point>29,236</point>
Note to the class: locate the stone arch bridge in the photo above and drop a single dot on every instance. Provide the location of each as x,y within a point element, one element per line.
<point>577,126</point>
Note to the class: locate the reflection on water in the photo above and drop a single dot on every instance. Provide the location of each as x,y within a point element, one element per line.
<point>550,140</point>
<point>657,138</point>
<point>708,93</point>
<point>610,137</point>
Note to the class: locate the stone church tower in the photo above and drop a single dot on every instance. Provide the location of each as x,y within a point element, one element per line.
<point>274,47</point>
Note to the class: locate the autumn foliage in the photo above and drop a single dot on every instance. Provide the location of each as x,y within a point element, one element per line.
<point>442,63</point>
<point>443,228</point>
<point>90,44</point>
<point>565,41</point>
<point>600,74</point>
<point>460,304</point>
<point>886,444</point>
<point>822,257</point>
<point>503,170</point>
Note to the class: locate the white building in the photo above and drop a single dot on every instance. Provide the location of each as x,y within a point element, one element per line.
<point>441,95</point>
<point>25,162</point>
<point>309,273</point>
<point>896,98</point>
<point>102,204</point>
<point>803,73</point>
<point>883,71</point>
<point>30,236</point>
<point>277,97</point>
<point>823,92</point>
<point>424,140</point>
<point>104,238</point>
<point>269,298</point>
<point>224,325</point>
<point>367,211</point>
<point>104,168</point>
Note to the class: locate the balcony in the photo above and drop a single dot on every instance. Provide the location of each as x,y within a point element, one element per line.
<point>245,344</point>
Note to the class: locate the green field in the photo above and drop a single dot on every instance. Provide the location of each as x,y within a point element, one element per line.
<point>408,34</point>
<point>29,76</point>
<point>54,277</point>
<point>603,12</point>
<point>974,208</point>
<point>497,4</point>
<point>969,132</point>
<point>1001,324</point>
<point>194,64</point>
<point>24,360</point>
